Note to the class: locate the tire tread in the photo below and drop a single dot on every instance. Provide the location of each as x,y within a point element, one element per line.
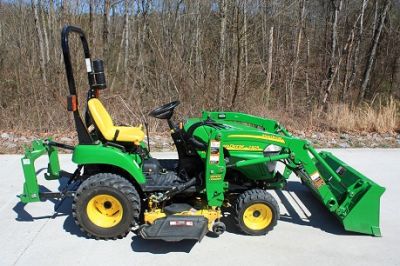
<point>118,183</point>
<point>255,195</point>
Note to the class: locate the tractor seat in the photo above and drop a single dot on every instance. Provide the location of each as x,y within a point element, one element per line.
<point>105,125</point>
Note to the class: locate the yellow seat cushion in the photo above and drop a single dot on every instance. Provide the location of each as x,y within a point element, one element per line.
<point>105,125</point>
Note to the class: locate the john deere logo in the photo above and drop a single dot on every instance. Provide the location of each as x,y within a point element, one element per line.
<point>264,137</point>
<point>234,147</point>
<point>215,177</point>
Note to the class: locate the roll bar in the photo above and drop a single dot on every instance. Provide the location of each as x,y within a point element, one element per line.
<point>72,101</point>
<point>67,57</point>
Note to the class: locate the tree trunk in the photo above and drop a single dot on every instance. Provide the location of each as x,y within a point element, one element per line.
<point>63,19</point>
<point>264,27</point>
<point>106,25</point>
<point>198,65</point>
<point>348,49</point>
<point>1,21</point>
<point>268,80</point>
<point>354,68</point>
<point>42,58</point>
<point>119,57</point>
<point>375,21</point>
<point>297,52</point>
<point>372,51</point>
<point>245,43</point>
<point>395,77</point>
<point>332,71</point>
<point>126,46</point>
<point>308,95</point>
<point>347,73</point>
<point>52,29</point>
<point>45,37</point>
<point>222,34</point>
<point>238,56</point>
<point>91,23</point>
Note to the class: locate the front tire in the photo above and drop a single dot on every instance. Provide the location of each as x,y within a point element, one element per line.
<point>256,212</point>
<point>106,206</point>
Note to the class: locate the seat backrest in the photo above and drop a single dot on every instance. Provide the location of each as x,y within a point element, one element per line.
<point>101,118</point>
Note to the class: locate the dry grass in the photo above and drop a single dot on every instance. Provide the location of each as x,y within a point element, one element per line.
<point>49,115</point>
<point>377,117</point>
<point>380,116</point>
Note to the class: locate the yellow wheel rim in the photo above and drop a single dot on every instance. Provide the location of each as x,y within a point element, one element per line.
<point>104,210</point>
<point>257,216</point>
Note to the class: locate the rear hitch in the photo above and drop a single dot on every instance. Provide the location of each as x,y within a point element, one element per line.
<point>31,191</point>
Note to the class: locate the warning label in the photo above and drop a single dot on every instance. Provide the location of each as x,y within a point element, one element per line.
<point>214,152</point>
<point>318,182</point>
<point>314,176</point>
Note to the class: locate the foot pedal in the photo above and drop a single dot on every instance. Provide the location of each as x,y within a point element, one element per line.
<point>175,228</point>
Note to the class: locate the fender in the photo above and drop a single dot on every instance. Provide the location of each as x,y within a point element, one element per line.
<point>99,154</point>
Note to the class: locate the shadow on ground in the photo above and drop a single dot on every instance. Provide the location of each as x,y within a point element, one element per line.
<point>61,208</point>
<point>71,227</point>
<point>161,247</point>
<point>320,216</point>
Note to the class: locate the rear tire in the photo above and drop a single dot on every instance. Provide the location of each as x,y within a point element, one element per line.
<point>106,206</point>
<point>256,212</point>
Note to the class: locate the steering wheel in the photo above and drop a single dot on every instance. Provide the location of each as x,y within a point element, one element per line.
<point>164,111</point>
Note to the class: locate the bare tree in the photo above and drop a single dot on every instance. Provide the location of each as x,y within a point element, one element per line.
<point>297,51</point>
<point>1,22</point>
<point>106,25</point>
<point>355,62</point>
<point>44,28</point>
<point>223,13</point>
<point>332,70</point>
<point>372,51</point>
<point>307,81</point>
<point>52,26</point>
<point>42,58</point>
<point>198,61</point>
<point>238,55</point>
<point>91,22</point>
<point>268,79</point>
<point>126,41</point>
<point>245,42</point>
<point>251,56</point>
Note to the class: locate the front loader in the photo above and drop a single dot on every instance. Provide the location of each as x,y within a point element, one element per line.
<point>224,158</point>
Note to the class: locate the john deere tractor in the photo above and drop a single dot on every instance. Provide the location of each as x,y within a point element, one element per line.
<point>224,158</point>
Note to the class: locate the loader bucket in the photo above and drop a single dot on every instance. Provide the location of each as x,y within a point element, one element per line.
<point>358,197</point>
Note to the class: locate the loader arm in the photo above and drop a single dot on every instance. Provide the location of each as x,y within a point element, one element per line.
<point>268,125</point>
<point>349,195</point>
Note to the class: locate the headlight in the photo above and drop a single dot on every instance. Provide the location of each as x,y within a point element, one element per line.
<point>269,151</point>
<point>272,149</point>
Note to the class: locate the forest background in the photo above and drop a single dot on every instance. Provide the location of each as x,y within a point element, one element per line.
<point>314,65</point>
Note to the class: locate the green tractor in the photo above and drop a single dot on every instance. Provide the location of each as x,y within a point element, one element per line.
<point>224,159</point>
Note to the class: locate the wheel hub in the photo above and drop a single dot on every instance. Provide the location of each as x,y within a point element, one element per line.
<point>107,205</point>
<point>104,210</point>
<point>257,216</point>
